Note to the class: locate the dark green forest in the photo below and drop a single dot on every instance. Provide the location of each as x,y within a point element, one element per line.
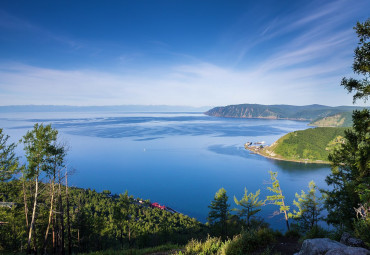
<point>97,221</point>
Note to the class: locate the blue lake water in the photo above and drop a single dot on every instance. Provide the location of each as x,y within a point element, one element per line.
<point>176,159</point>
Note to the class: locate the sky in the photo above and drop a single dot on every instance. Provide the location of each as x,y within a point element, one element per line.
<point>177,52</point>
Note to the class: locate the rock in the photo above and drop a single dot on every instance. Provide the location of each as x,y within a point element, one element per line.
<point>348,240</point>
<point>348,251</point>
<point>319,246</point>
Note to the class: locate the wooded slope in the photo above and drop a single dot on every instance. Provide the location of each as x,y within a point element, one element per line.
<point>311,144</point>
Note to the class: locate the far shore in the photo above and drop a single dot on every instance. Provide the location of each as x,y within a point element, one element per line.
<point>262,152</point>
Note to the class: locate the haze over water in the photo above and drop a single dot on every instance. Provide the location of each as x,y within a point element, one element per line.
<point>176,159</point>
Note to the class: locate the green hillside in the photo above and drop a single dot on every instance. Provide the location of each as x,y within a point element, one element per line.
<point>343,119</point>
<point>307,113</point>
<point>312,144</point>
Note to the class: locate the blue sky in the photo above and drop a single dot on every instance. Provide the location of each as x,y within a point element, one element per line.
<point>191,52</point>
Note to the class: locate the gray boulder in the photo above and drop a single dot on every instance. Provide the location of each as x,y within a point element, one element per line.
<point>349,251</point>
<point>349,240</point>
<point>319,246</point>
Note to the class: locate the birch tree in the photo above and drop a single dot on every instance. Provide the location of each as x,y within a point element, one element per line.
<point>38,145</point>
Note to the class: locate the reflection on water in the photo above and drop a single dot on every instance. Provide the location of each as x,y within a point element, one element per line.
<point>288,166</point>
<point>179,160</point>
<point>285,166</point>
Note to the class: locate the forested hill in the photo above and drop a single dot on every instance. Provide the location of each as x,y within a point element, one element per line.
<point>96,220</point>
<point>312,145</point>
<point>291,112</point>
<point>343,119</point>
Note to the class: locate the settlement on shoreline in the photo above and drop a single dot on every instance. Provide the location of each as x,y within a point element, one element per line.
<point>265,152</point>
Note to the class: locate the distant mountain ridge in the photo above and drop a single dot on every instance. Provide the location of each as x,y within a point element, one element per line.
<point>305,113</point>
<point>120,108</point>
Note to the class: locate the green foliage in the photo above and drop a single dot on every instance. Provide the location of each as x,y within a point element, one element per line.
<point>210,246</point>
<point>244,243</point>
<point>98,221</point>
<point>278,198</point>
<point>250,241</point>
<point>219,211</point>
<point>294,231</point>
<point>350,176</point>
<point>348,199</point>
<point>8,161</point>
<point>361,64</point>
<point>250,204</point>
<point>361,230</point>
<point>316,232</point>
<point>311,144</point>
<point>309,208</point>
<point>39,145</point>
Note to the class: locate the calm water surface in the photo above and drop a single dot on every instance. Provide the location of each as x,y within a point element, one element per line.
<point>176,159</point>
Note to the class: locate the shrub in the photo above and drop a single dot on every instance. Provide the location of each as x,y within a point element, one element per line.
<point>294,231</point>
<point>245,243</point>
<point>362,227</point>
<point>233,247</point>
<point>249,241</point>
<point>210,246</point>
<point>316,232</point>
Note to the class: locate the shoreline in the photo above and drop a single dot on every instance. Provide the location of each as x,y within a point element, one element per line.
<point>254,150</point>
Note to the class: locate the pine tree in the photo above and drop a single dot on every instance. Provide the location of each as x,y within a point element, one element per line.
<point>250,204</point>
<point>361,64</point>
<point>219,211</point>
<point>350,176</point>
<point>309,208</point>
<point>8,161</point>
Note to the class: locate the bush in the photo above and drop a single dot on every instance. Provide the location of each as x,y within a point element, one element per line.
<point>362,228</point>
<point>249,241</point>
<point>258,222</point>
<point>233,247</point>
<point>210,246</point>
<point>316,232</point>
<point>294,232</point>
<point>245,243</point>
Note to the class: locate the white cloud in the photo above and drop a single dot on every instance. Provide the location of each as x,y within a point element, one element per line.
<point>197,85</point>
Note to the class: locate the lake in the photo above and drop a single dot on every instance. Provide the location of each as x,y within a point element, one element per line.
<point>176,159</point>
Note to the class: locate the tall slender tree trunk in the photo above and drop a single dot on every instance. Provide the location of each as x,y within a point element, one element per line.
<point>32,226</point>
<point>54,227</point>
<point>61,213</point>
<point>78,239</point>
<point>285,212</point>
<point>25,200</point>
<point>50,214</point>
<point>68,220</point>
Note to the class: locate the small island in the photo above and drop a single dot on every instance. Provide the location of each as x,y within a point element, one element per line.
<point>306,146</point>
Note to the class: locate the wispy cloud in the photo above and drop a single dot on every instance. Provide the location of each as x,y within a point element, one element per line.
<point>199,84</point>
<point>313,24</point>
